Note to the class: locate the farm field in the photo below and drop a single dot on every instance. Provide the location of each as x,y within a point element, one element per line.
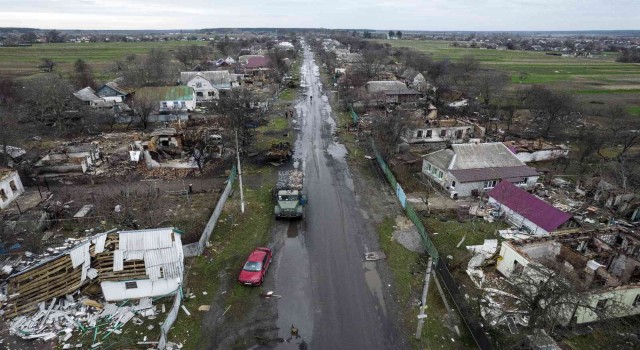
<point>594,80</point>
<point>24,61</point>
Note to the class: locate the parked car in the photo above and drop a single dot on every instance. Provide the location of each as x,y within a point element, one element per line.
<point>253,271</point>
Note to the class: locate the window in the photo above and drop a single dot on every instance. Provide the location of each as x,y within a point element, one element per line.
<point>602,303</point>
<point>520,183</point>
<point>517,268</point>
<point>443,133</point>
<point>428,167</point>
<point>440,174</point>
<point>131,285</point>
<point>3,195</point>
<point>198,85</point>
<point>12,184</point>
<point>490,184</point>
<point>419,135</point>
<point>199,94</point>
<point>429,133</point>
<point>164,104</point>
<point>211,93</point>
<point>183,104</point>
<point>459,134</point>
<point>636,301</point>
<point>453,184</point>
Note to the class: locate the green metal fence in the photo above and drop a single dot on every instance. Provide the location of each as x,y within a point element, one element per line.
<point>411,213</point>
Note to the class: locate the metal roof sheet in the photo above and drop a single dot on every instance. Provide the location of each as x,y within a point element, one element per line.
<point>441,158</point>
<point>516,173</point>
<point>529,206</point>
<point>383,85</point>
<point>215,77</point>
<point>166,93</point>
<point>483,155</point>
<point>145,239</point>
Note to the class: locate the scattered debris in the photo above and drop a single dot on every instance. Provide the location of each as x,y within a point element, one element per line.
<point>373,256</point>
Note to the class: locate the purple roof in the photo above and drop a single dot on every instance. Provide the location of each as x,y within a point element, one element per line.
<point>529,206</point>
<point>515,173</point>
<point>257,62</point>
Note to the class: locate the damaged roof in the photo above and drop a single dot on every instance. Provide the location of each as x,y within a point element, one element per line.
<point>529,206</point>
<point>215,77</point>
<point>87,94</point>
<point>385,85</point>
<point>166,93</point>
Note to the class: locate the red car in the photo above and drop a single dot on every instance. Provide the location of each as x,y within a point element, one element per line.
<point>252,274</point>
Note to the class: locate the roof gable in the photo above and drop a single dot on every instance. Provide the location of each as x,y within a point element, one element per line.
<point>529,206</point>
<point>441,158</point>
<point>219,78</point>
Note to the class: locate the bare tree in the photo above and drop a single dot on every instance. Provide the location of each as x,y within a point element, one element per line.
<point>551,109</point>
<point>153,69</point>
<point>143,104</point>
<point>47,65</point>
<point>82,74</point>
<point>371,64</point>
<point>6,90</point>
<point>48,100</point>
<point>388,130</point>
<point>624,130</point>
<point>239,106</point>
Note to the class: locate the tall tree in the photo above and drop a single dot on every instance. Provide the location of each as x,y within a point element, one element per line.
<point>551,109</point>
<point>82,74</point>
<point>238,107</point>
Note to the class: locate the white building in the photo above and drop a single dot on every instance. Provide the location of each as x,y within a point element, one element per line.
<point>602,262</point>
<point>472,169</point>
<point>170,99</point>
<point>10,186</point>
<point>207,85</point>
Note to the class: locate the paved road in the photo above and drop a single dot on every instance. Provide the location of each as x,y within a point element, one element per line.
<point>329,293</point>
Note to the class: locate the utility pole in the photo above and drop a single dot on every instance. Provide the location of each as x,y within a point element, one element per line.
<point>239,174</point>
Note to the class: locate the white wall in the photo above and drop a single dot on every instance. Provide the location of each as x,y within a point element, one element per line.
<point>10,193</point>
<point>518,220</point>
<point>542,155</point>
<point>205,88</point>
<point>507,258</point>
<point>114,291</point>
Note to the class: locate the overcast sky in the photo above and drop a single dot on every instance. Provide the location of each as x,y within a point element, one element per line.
<point>367,14</point>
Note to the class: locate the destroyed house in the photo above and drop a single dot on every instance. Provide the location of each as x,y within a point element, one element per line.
<point>208,84</point>
<point>602,265</point>
<point>527,211</point>
<point>68,159</point>
<point>420,130</point>
<point>111,92</point>
<point>471,169</point>
<point>126,264</point>
<point>10,186</point>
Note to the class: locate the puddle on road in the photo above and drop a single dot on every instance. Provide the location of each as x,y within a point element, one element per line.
<point>292,231</point>
<point>374,283</point>
<point>293,278</point>
<point>337,150</point>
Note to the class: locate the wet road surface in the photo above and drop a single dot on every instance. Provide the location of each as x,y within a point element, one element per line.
<point>329,294</point>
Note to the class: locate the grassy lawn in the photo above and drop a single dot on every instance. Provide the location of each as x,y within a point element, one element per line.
<point>276,131</point>
<point>634,110</point>
<point>408,270</point>
<point>538,68</point>
<point>233,239</point>
<point>24,61</point>
<point>288,95</point>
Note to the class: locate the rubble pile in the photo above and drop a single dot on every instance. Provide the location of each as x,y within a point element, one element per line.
<point>61,317</point>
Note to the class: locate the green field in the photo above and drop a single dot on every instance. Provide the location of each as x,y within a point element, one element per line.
<point>24,61</point>
<point>593,79</point>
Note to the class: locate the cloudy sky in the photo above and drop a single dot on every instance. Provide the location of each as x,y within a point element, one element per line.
<point>369,14</point>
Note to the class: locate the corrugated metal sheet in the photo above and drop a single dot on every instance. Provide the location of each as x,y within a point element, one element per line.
<point>92,273</point>
<point>118,263</point>
<point>440,159</point>
<point>384,85</point>
<point>99,242</point>
<point>529,206</point>
<point>85,268</point>
<point>161,256</point>
<point>145,239</point>
<point>134,255</point>
<point>484,155</point>
<point>80,255</point>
